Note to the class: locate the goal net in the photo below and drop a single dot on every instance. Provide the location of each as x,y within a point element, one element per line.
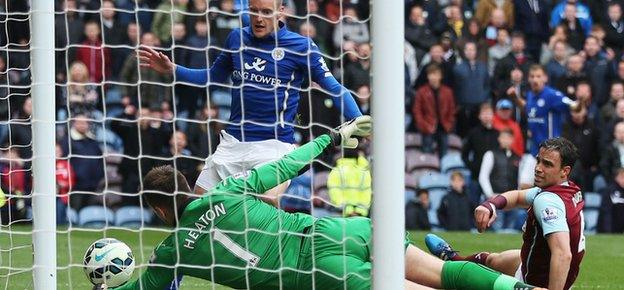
<point>115,120</point>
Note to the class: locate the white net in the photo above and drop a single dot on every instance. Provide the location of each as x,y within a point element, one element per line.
<point>116,120</point>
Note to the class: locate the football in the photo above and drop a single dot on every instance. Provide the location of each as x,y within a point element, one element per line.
<point>109,261</point>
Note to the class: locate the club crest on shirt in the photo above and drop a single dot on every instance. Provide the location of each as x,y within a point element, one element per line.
<point>541,102</point>
<point>278,53</point>
<point>549,215</point>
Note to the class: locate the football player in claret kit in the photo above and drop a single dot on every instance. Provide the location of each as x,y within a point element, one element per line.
<point>553,241</point>
<point>233,238</point>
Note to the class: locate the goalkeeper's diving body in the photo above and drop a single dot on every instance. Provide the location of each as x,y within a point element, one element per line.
<point>268,65</point>
<point>233,238</point>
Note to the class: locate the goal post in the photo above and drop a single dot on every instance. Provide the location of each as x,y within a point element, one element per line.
<point>43,122</point>
<point>387,81</point>
<point>388,150</point>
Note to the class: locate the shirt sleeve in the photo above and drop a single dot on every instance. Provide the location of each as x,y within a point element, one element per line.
<point>158,274</point>
<point>267,176</point>
<point>550,212</point>
<point>320,74</point>
<point>487,163</point>
<point>531,194</point>
<point>559,102</point>
<point>218,72</point>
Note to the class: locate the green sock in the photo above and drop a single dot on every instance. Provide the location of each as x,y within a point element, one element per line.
<point>468,275</point>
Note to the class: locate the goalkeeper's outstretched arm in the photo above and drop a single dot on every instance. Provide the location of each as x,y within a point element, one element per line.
<point>265,177</point>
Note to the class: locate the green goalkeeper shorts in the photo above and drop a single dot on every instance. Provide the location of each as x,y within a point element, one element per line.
<point>340,257</point>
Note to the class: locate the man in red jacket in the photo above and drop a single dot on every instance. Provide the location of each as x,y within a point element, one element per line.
<point>64,180</point>
<point>434,111</point>
<point>503,120</point>
<point>93,54</point>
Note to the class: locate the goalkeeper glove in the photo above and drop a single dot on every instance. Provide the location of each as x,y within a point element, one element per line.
<point>345,133</point>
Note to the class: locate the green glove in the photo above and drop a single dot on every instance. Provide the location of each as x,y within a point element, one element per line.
<point>358,127</point>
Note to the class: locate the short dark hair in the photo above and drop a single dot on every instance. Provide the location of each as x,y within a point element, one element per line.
<point>457,174</point>
<point>433,68</point>
<point>517,34</point>
<point>613,4</point>
<point>421,191</point>
<point>162,185</point>
<point>485,105</point>
<point>535,67</point>
<point>583,82</point>
<point>567,150</point>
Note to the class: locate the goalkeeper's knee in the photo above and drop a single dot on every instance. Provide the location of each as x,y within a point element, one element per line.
<point>468,275</point>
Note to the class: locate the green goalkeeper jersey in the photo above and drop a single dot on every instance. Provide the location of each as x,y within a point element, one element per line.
<point>233,238</point>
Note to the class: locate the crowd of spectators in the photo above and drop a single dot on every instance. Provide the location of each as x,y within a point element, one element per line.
<point>467,67</point>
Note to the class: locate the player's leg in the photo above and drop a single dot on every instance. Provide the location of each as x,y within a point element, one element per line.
<point>422,268</point>
<point>272,196</point>
<point>425,269</point>
<point>263,152</point>
<point>506,262</point>
<point>409,285</point>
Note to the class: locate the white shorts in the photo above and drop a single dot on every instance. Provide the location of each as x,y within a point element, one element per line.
<point>233,156</point>
<point>518,274</point>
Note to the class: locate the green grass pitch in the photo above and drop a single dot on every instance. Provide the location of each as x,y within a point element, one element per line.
<point>601,268</point>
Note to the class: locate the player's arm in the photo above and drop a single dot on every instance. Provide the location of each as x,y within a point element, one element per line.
<point>550,213</point>
<point>267,176</point>
<point>560,258</point>
<point>218,72</point>
<point>158,275</point>
<point>561,103</point>
<point>320,74</point>
<point>485,214</point>
<point>514,95</point>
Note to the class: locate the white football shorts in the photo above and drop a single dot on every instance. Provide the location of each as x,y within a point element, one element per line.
<point>233,156</point>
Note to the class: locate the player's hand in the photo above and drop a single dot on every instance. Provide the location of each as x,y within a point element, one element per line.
<point>576,106</point>
<point>100,287</point>
<point>483,219</point>
<point>358,127</point>
<point>155,60</point>
<point>511,92</point>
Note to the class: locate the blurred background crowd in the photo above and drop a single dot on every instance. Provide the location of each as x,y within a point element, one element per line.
<point>466,62</point>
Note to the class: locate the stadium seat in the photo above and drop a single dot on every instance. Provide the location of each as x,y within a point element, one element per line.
<point>132,216</point>
<point>454,143</point>
<point>411,184</point>
<point>417,174</point>
<point>413,140</point>
<point>95,216</point>
<point>592,200</point>
<point>434,181</point>
<point>411,181</point>
<point>417,160</point>
<point>435,199</point>
<point>450,162</point>
<point>591,211</point>
<point>72,216</point>
<point>221,98</point>
<point>599,183</point>
<point>591,220</point>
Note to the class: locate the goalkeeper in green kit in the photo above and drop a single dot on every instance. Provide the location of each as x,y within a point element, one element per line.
<point>232,237</point>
